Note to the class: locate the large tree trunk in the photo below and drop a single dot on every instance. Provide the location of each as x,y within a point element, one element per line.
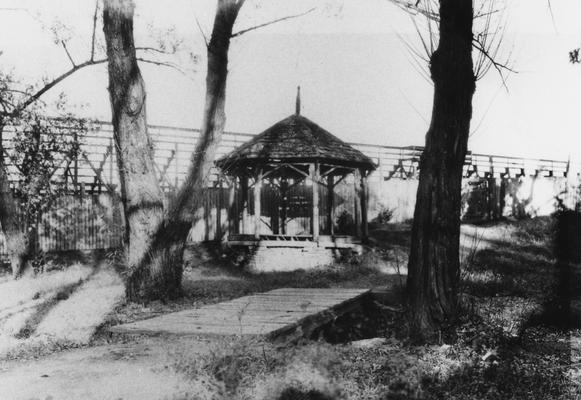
<point>141,194</point>
<point>434,256</point>
<point>17,241</point>
<point>167,250</point>
<point>214,118</point>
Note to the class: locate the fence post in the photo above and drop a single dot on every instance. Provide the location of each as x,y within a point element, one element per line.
<point>177,170</point>
<point>111,162</point>
<point>379,172</point>
<point>76,162</point>
<point>218,203</point>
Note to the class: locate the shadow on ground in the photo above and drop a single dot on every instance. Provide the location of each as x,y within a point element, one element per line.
<point>538,358</point>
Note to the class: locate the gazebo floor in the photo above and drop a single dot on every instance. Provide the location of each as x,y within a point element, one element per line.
<point>298,241</point>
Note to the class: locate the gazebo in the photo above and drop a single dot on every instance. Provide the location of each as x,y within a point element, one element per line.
<point>296,152</point>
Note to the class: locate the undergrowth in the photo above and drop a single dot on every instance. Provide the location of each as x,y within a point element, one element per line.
<point>496,351</point>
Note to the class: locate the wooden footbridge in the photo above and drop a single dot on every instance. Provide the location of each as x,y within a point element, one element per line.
<point>281,313</point>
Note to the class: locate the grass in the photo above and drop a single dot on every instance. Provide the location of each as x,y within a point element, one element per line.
<point>503,347</point>
<point>218,278</point>
<point>62,308</point>
<point>500,349</point>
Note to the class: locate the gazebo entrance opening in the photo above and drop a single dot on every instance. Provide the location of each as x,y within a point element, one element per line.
<point>300,202</point>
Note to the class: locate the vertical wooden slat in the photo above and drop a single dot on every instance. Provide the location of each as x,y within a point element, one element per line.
<point>364,199</point>
<point>111,161</point>
<point>177,168</point>
<point>283,203</point>
<point>314,175</point>
<point>357,201</point>
<point>330,203</point>
<point>245,205</point>
<point>257,205</point>
<point>379,172</point>
<point>218,205</point>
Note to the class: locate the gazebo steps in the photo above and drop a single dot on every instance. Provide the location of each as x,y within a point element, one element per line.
<point>296,241</point>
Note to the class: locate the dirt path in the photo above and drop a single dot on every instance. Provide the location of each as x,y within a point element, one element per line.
<point>139,371</point>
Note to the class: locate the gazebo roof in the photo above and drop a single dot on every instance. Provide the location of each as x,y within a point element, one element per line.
<point>295,139</point>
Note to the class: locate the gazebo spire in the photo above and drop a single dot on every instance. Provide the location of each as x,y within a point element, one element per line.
<point>298,103</point>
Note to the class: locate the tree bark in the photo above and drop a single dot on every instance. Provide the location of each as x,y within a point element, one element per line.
<point>167,249</point>
<point>214,118</point>
<point>16,237</point>
<point>141,194</point>
<point>434,255</point>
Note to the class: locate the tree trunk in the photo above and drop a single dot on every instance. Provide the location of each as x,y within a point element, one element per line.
<point>16,238</point>
<point>166,251</point>
<point>214,118</point>
<point>140,191</point>
<point>434,255</point>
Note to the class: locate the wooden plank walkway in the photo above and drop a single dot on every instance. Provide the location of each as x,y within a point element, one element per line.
<point>286,312</point>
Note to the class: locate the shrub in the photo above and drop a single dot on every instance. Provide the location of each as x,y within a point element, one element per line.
<point>384,216</point>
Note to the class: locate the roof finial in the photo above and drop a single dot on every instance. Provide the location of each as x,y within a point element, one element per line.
<point>298,105</point>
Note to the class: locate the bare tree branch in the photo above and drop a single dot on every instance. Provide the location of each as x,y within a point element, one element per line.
<point>68,54</point>
<point>34,97</point>
<point>552,15</point>
<point>202,32</point>
<point>414,8</point>
<point>500,67</point>
<point>162,63</point>
<point>94,30</point>
<point>487,40</point>
<point>243,31</point>
<point>154,50</point>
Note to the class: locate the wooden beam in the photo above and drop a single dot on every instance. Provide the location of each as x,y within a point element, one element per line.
<point>357,201</point>
<point>330,205</point>
<point>340,179</point>
<point>283,203</point>
<point>329,171</point>
<point>274,210</point>
<point>219,209</point>
<point>257,205</point>
<point>232,215</point>
<point>298,170</point>
<point>364,199</point>
<point>245,204</point>
<point>314,174</point>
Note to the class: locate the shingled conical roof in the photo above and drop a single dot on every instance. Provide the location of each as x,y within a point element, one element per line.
<point>295,139</point>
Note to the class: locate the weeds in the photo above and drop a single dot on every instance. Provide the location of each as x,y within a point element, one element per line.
<point>494,351</point>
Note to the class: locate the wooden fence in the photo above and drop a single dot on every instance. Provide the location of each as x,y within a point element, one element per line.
<point>89,216</point>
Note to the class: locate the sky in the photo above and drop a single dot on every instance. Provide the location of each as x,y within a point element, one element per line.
<point>358,78</point>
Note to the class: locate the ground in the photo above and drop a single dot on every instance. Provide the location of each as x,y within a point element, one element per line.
<point>517,337</point>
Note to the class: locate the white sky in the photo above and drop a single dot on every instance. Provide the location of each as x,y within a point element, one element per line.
<point>357,78</point>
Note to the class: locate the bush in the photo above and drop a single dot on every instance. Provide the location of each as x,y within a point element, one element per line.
<point>384,216</point>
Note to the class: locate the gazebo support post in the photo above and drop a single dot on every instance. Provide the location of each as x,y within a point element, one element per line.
<point>245,204</point>
<point>283,203</point>
<point>314,175</point>
<point>232,216</point>
<point>218,186</point>
<point>330,201</point>
<point>257,205</point>
<point>364,192</point>
<point>274,214</point>
<point>357,202</point>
